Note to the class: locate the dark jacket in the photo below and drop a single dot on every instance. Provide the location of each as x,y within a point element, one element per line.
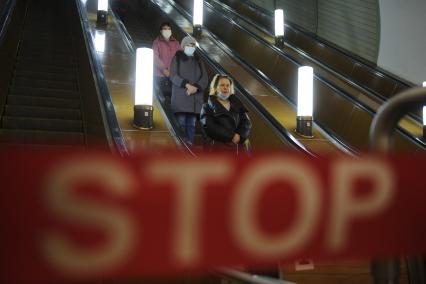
<point>219,124</point>
<point>187,69</point>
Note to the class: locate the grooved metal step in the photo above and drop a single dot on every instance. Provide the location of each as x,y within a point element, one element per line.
<point>27,91</point>
<point>44,68</point>
<point>67,77</point>
<point>43,102</point>
<point>42,62</point>
<point>35,83</point>
<point>42,112</point>
<point>32,50</point>
<point>48,59</point>
<point>41,137</point>
<point>30,123</point>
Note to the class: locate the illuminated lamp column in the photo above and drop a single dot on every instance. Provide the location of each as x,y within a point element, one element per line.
<point>305,101</point>
<point>424,117</point>
<point>197,19</point>
<point>279,28</point>
<point>100,41</point>
<point>102,15</point>
<point>143,110</point>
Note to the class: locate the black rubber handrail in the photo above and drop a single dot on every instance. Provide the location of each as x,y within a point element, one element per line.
<point>5,18</point>
<point>173,126</point>
<point>268,82</point>
<point>102,86</point>
<point>281,131</point>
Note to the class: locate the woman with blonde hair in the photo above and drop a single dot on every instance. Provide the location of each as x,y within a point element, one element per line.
<point>224,118</point>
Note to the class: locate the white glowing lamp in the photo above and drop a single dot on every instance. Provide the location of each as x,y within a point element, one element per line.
<point>279,22</point>
<point>305,91</point>
<point>144,76</point>
<point>198,13</point>
<point>100,41</point>
<point>103,5</point>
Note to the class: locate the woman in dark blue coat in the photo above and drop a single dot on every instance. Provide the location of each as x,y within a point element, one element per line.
<point>224,118</point>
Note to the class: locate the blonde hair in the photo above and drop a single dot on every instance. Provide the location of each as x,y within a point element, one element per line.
<point>215,82</point>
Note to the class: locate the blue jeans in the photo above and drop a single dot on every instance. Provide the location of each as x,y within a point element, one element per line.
<point>187,123</point>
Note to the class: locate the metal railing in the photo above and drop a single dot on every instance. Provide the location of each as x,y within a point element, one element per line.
<point>381,131</point>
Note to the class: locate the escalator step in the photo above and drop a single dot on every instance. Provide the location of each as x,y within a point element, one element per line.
<point>40,92</point>
<point>30,123</point>
<point>41,137</point>
<point>27,82</point>
<point>31,50</point>
<point>43,62</point>
<point>48,59</point>
<point>44,68</point>
<point>43,102</point>
<point>42,112</point>
<point>65,77</point>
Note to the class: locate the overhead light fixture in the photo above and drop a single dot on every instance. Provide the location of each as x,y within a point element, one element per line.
<point>305,101</point>
<point>102,14</point>
<point>197,19</point>
<point>143,109</point>
<point>279,28</point>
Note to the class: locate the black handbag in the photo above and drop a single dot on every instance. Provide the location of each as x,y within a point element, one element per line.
<point>165,86</point>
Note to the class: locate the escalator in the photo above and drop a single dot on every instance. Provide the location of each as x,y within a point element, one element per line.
<point>359,270</point>
<point>340,108</point>
<point>267,132</point>
<point>363,73</point>
<point>50,100</point>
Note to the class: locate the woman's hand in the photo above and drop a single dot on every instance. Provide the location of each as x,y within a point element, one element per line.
<point>166,72</point>
<point>190,89</point>
<point>236,139</point>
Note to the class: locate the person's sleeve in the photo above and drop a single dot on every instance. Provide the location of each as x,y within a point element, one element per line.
<point>174,76</point>
<point>244,127</point>
<point>158,63</point>
<point>201,84</point>
<point>211,128</point>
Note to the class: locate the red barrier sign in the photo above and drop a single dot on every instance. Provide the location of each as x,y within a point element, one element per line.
<point>85,215</point>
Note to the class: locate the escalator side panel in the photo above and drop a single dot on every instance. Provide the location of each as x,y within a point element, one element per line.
<point>94,125</point>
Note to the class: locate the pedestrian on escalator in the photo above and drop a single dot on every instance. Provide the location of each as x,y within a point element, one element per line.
<point>165,47</point>
<point>189,80</point>
<point>224,120</point>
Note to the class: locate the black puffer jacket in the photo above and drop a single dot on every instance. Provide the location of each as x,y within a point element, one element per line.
<point>219,124</point>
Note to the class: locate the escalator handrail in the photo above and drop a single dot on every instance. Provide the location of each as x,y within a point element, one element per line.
<point>6,17</point>
<point>267,81</point>
<point>281,131</point>
<point>353,57</point>
<point>389,114</point>
<point>250,278</point>
<point>102,86</point>
<point>173,127</point>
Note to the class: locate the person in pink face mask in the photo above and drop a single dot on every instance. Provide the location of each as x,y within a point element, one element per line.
<point>165,47</point>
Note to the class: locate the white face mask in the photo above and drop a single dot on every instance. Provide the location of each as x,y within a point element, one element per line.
<point>166,33</point>
<point>189,50</point>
